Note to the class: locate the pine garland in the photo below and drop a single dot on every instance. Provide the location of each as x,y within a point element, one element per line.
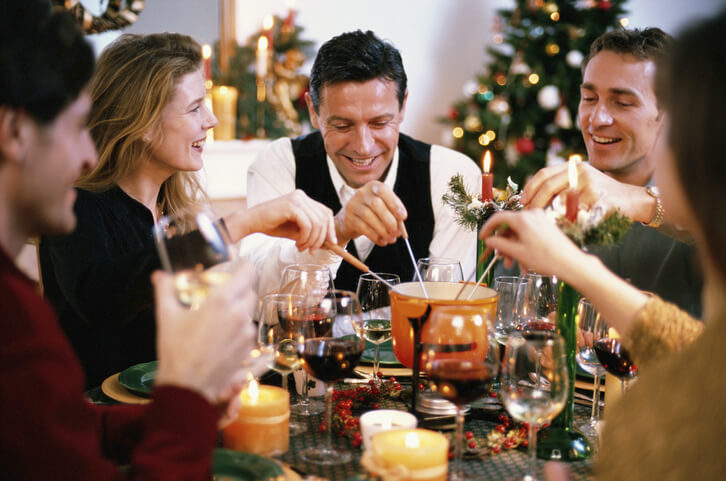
<point>470,211</point>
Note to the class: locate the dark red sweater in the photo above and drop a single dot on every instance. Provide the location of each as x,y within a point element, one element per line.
<point>48,431</point>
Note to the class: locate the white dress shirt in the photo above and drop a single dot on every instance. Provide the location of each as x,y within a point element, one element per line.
<point>272,174</point>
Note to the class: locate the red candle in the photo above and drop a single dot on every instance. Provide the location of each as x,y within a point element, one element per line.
<point>572,194</point>
<point>487,178</point>
<point>207,62</point>
<point>267,30</point>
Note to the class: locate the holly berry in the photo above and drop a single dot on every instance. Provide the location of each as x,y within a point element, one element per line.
<point>469,435</point>
<point>472,444</point>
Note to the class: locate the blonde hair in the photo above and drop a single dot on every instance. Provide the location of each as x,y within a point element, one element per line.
<point>135,79</point>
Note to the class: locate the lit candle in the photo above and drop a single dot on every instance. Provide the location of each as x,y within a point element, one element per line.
<point>572,194</point>
<point>207,62</point>
<point>487,178</point>
<point>262,424</point>
<point>409,454</point>
<point>378,420</point>
<point>262,57</point>
<point>268,22</point>
<point>224,106</point>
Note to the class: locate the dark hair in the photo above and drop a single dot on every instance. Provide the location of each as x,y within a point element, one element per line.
<point>45,61</point>
<point>358,57</point>
<point>647,44</point>
<point>690,82</point>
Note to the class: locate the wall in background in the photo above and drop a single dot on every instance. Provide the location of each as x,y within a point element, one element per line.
<point>442,42</point>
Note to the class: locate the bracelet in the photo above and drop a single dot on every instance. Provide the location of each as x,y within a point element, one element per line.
<point>659,214</point>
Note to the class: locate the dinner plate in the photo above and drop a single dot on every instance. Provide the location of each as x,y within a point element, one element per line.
<point>229,465</point>
<point>113,389</point>
<point>386,355</point>
<point>139,379</point>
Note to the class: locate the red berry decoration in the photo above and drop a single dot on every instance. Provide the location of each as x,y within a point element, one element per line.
<point>524,145</point>
<point>453,114</point>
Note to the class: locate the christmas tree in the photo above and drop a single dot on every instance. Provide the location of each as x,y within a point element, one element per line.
<point>523,107</point>
<point>270,104</point>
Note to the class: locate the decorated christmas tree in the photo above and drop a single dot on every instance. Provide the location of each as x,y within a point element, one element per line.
<point>270,103</point>
<point>523,107</point>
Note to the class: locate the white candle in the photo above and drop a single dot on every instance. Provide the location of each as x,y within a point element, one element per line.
<point>378,420</point>
<point>262,57</point>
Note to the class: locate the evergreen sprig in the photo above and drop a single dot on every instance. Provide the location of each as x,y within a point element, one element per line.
<point>470,211</point>
<point>610,230</point>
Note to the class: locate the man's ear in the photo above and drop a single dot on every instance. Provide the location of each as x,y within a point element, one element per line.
<point>402,110</point>
<point>311,110</point>
<point>13,134</point>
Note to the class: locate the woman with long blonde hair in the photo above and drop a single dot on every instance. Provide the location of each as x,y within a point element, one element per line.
<point>149,122</point>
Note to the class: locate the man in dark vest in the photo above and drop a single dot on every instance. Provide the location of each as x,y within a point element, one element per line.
<point>360,166</point>
<point>620,119</point>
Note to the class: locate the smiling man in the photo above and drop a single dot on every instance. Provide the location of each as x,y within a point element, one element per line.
<point>361,166</point>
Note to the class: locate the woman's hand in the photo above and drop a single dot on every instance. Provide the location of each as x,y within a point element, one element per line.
<point>295,216</point>
<point>534,240</point>
<point>204,349</point>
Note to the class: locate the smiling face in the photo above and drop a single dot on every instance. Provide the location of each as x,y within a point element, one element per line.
<point>56,156</point>
<point>618,115</point>
<point>183,128</point>
<point>359,122</point>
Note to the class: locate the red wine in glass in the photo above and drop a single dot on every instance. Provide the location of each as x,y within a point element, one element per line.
<point>614,358</point>
<point>535,325</point>
<point>331,359</point>
<point>298,323</point>
<point>461,381</point>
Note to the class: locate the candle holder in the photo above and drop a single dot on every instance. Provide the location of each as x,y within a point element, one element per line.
<point>561,441</point>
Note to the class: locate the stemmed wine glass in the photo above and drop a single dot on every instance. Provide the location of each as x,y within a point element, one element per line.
<point>461,357</point>
<point>439,269</point>
<point>277,338</point>
<point>375,303</point>
<point>331,358</point>
<point>313,281</point>
<point>534,382</point>
<point>590,330</point>
<point>537,303</point>
<point>508,288</point>
<point>613,356</point>
<point>195,247</point>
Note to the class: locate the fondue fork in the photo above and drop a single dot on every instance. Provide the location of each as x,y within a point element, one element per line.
<point>481,278</point>
<point>357,263</point>
<point>404,234</point>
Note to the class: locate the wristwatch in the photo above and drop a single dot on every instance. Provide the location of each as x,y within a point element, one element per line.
<point>657,219</point>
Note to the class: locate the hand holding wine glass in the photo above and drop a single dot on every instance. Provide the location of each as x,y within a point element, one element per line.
<point>534,382</point>
<point>461,357</point>
<point>613,356</point>
<point>590,331</point>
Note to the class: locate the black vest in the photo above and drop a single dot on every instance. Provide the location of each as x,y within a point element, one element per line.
<point>412,186</point>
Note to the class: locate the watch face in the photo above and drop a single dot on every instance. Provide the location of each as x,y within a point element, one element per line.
<point>653,190</point>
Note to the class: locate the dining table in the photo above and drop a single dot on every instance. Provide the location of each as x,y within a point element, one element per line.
<point>483,417</point>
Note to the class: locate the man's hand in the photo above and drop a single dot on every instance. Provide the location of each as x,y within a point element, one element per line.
<point>594,186</point>
<point>374,211</point>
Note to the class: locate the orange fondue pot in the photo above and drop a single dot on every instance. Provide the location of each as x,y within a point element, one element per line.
<point>407,300</point>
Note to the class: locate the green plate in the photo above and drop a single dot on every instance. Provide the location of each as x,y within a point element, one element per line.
<point>232,465</point>
<point>386,356</point>
<point>139,379</point>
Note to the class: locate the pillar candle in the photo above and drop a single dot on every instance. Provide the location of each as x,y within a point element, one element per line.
<point>409,454</point>
<point>572,195</point>
<point>262,49</point>
<point>262,424</point>
<point>224,105</point>
<point>372,422</point>
<point>487,178</point>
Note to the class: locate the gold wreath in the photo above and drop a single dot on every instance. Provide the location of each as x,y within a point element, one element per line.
<point>115,17</point>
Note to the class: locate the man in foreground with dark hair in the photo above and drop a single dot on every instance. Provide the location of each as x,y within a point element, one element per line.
<point>360,166</point>
<point>620,118</point>
<point>48,429</point>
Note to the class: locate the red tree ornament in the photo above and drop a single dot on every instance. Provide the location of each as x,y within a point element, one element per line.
<point>604,5</point>
<point>453,114</point>
<point>524,145</point>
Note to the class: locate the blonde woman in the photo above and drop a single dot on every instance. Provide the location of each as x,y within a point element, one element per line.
<point>149,123</point>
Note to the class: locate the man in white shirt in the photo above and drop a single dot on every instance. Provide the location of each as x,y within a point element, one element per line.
<point>360,166</point>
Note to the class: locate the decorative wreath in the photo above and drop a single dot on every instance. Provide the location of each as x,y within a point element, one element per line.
<point>115,17</point>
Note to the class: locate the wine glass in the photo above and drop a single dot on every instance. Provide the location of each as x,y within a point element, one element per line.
<point>195,247</point>
<point>613,356</point>
<point>314,281</point>
<point>534,382</point>
<point>461,357</point>
<point>332,358</point>
<point>439,269</point>
<point>277,338</point>
<point>537,303</point>
<point>375,303</point>
<point>590,330</point>
<point>508,288</point>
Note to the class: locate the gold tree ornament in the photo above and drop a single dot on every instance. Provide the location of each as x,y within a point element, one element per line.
<point>288,86</point>
<point>115,17</point>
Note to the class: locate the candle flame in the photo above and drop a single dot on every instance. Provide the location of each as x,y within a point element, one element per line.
<point>572,170</point>
<point>486,162</point>
<point>262,43</point>
<point>412,441</point>
<point>253,390</point>
<point>206,52</point>
<point>223,90</point>
<point>267,22</point>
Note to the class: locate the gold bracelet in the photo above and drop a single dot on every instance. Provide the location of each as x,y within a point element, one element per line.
<point>659,214</point>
